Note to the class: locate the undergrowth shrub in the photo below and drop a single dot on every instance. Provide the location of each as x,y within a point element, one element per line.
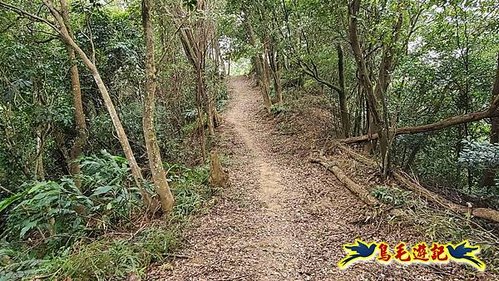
<point>55,214</point>
<point>189,187</point>
<point>391,195</point>
<point>55,229</point>
<point>478,157</point>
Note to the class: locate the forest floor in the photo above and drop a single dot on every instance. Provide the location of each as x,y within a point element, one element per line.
<point>282,217</point>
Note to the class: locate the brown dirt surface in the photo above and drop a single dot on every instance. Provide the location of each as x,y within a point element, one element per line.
<point>282,217</point>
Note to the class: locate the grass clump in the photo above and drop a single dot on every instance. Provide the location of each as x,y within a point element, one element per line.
<point>116,258</point>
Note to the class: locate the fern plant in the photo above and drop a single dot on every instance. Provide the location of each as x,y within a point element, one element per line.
<point>58,213</point>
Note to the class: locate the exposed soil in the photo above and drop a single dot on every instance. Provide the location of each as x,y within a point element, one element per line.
<point>283,218</point>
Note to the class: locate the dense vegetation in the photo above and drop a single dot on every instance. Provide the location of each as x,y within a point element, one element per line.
<point>412,79</point>
<point>87,102</point>
<point>109,109</point>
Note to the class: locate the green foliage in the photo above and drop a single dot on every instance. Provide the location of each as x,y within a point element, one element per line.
<point>277,109</point>
<point>391,195</point>
<point>49,208</point>
<point>30,104</point>
<point>443,225</point>
<point>49,226</point>
<point>108,258</point>
<point>51,223</point>
<point>241,67</point>
<point>58,213</point>
<point>479,155</point>
<point>116,258</point>
<point>190,188</point>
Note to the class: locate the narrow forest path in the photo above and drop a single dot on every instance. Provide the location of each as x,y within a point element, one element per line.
<point>282,218</point>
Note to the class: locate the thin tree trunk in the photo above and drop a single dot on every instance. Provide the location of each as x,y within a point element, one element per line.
<point>345,120</point>
<point>276,73</point>
<point>266,66</point>
<point>79,114</point>
<point>260,68</point>
<point>193,55</point>
<point>221,62</point>
<point>39,166</point>
<point>278,79</point>
<point>153,151</point>
<point>229,65</point>
<point>412,156</point>
<point>194,45</point>
<point>490,174</point>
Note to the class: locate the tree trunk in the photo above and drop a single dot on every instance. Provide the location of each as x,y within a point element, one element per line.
<point>191,49</point>
<point>491,112</point>
<point>153,152</point>
<point>276,73</point>
<point>374,97</point>
<point>412,155</point>
<point>194,44</point>
<point>345,120</point>
<point>79,115</point>
<point>261,71</point>
<point>490,174</point>
<point>120,131</point>
<point>220,60</point>
<point>39,166</point>
<point>266,67</point>
<point>218,177</point>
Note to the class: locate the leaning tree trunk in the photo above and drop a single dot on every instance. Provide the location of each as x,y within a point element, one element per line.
<point>120,131</point>
<point>491,112</point>
<point>153,152</point>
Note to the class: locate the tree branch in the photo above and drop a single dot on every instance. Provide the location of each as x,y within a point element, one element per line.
<point>24,13</point>
<point>492,111</point>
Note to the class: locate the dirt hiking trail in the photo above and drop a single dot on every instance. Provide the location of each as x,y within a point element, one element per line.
<point>282,218</point>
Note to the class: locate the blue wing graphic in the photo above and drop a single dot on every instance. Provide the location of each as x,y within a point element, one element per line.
<point>357,251</point>
<point>465,252</point>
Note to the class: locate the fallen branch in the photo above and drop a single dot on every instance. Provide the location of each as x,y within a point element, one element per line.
<point>356,189</point>
<point>484,213</point>
<point>356,156</point>
<point>492,111</point>
<point>404,179</point>
<point>449,122</point>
